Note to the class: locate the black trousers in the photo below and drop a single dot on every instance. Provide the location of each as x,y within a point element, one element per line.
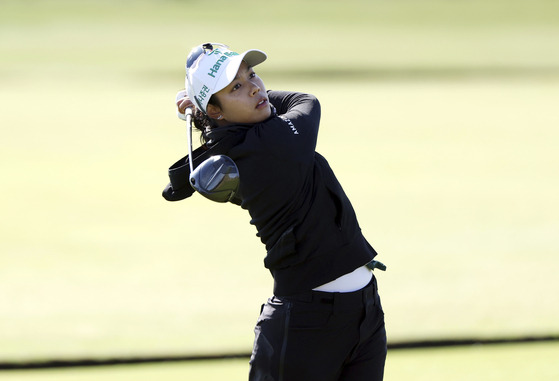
<point>320,336</point>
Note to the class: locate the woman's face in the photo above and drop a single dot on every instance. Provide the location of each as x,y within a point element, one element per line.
<point>245,99</point>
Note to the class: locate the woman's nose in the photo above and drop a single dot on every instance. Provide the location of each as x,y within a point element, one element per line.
<point>255,89</point>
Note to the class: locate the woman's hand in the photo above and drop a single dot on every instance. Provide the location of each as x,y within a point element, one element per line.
<point>183,102</point>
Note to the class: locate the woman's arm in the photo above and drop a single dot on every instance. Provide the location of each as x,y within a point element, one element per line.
<point>296,105</point>
<point>295,130</point>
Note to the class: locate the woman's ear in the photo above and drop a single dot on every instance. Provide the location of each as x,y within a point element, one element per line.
<point>214,112</point>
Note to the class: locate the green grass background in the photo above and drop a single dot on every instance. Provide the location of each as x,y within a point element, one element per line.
<point>515,362</point>
<point>439,117</point>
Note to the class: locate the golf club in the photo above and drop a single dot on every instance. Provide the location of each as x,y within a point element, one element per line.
<point>216,178</point>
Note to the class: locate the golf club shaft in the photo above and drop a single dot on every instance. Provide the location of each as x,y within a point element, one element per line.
<point>188,114</point>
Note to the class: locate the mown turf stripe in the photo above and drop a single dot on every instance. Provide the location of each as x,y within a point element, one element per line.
<point>421,344</point>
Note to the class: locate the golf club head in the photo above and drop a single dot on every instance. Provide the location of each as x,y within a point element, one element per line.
<point>217,178</point>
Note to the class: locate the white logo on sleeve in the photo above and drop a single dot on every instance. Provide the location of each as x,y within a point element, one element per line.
<point>290,124</point>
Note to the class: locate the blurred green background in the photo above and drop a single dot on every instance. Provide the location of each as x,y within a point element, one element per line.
<point>439,118</point>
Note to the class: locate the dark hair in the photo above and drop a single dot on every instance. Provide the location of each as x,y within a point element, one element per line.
<point>203,122</point>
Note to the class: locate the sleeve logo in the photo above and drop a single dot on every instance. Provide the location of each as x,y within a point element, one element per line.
<point>290,124</point>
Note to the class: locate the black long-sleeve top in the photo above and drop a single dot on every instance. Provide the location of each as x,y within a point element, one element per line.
<point>297,205</point>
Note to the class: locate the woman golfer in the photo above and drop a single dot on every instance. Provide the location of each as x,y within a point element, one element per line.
<point>325,321</point>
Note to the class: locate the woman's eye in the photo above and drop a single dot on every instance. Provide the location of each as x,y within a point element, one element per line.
<point>252,75</point>
<point>237,86</point>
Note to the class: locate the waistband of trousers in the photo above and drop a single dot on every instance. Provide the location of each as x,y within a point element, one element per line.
<point>339,299</point>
